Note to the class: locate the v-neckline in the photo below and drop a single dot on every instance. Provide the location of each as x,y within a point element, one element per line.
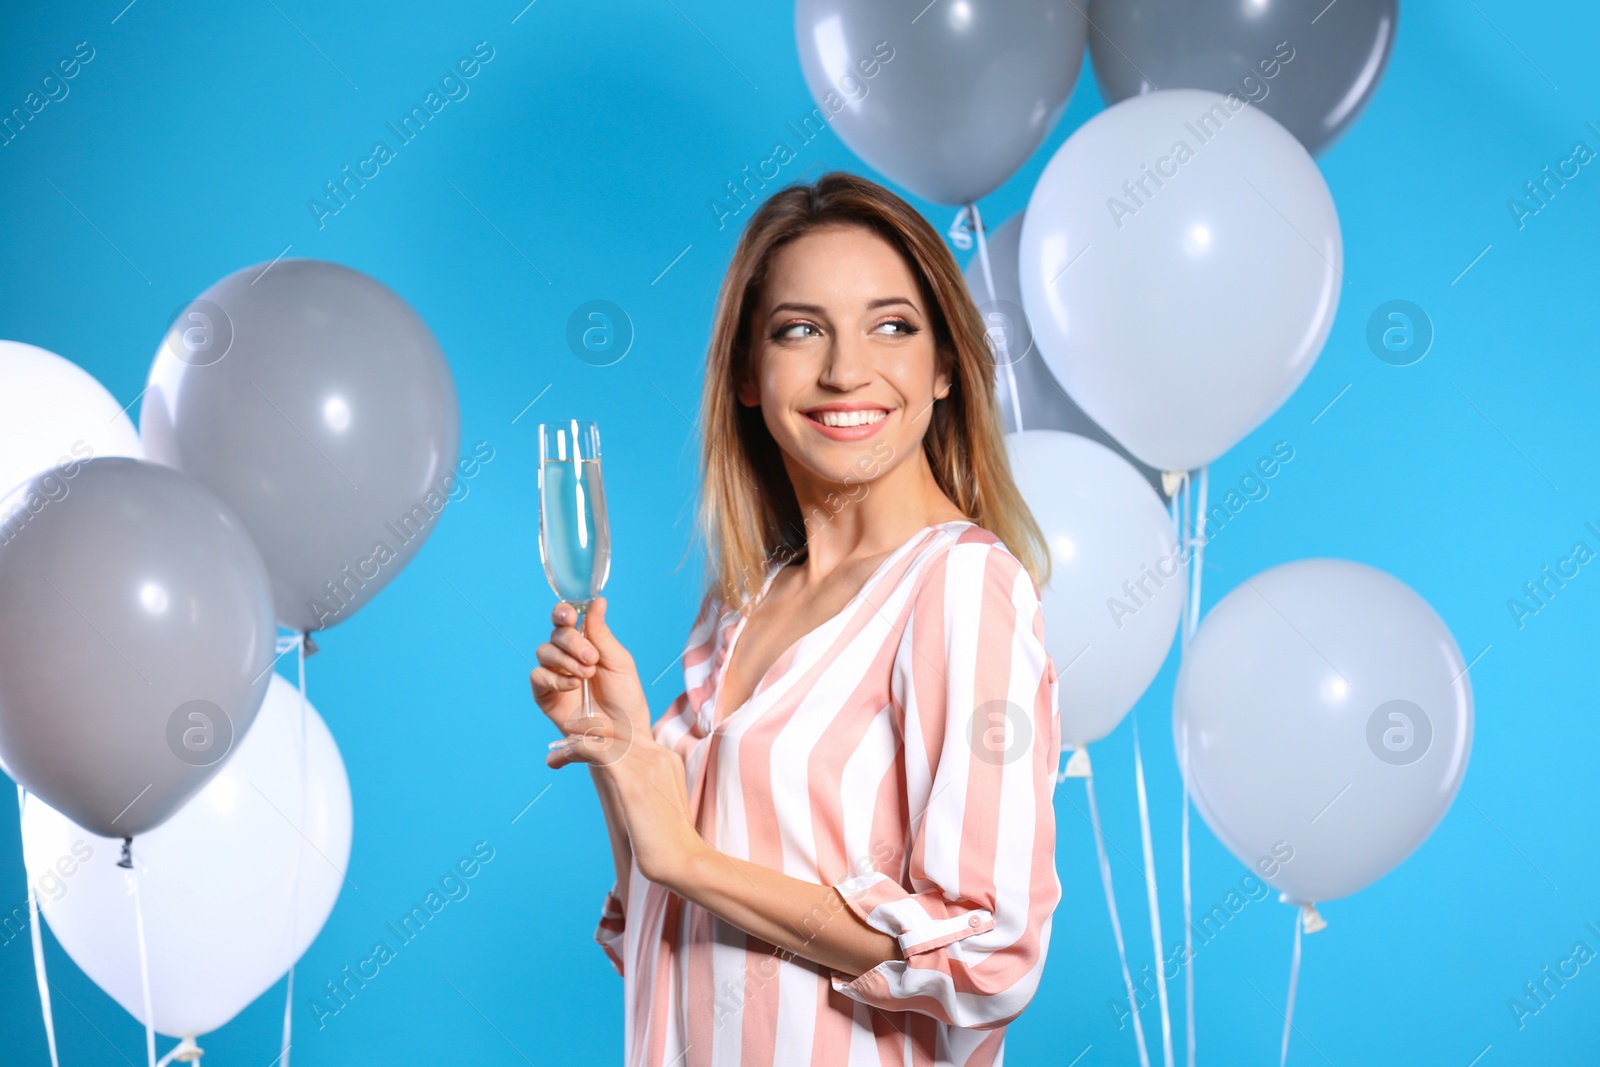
<point>744,618</point>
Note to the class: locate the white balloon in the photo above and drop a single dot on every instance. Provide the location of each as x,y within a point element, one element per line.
<point>225,915</point>
<point>1117,575</point>
<point>1043,403</point>
<point>1329,720</point>
<point>1180,263</point>
<point>53,412</point>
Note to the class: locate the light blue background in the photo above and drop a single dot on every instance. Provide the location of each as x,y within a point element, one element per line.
<point>590,149</point>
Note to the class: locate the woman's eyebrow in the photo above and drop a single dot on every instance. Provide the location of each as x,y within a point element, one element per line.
<point>813,309</point>
<point>810,309</point>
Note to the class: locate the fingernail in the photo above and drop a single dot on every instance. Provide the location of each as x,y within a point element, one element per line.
<point>565,742</point>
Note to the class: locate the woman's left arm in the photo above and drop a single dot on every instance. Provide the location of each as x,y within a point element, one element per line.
<point>647,780</point>
<point>797,917</point>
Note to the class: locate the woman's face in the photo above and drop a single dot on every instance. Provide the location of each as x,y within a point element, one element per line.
<point>843,356</point>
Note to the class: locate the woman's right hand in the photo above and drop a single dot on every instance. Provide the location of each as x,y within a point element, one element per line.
<point>570,656</point>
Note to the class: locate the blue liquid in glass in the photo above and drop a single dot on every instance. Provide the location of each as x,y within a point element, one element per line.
<point>574,539</point>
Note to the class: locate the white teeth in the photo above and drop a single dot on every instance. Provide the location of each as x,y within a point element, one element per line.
<point>850,418</point>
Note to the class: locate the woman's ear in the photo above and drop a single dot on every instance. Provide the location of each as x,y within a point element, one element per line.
<point>747,392</point>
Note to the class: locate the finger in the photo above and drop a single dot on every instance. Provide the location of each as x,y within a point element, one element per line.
<point>575,644</point>
<point>544,680</point>
<point>594,725</point>
<point>560,755</point>
<point>580,748</point>
<point>599,632</point>
<point>598,741</point>
<point>562,662</point>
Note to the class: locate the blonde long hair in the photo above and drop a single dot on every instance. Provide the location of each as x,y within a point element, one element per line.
<point>748,512</point>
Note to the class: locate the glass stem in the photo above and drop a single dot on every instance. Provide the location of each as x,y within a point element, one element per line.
<point>583,618</point>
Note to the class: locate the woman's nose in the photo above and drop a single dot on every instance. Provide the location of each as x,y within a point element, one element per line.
<point>847,365</point>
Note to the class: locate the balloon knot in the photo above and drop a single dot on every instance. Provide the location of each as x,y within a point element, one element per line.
<point>127,854</point>
<point>187,1051</point>
<point>1077,764</point>
<point>1170,480</point>
<point>1310,921</point>
<point>311,646</point>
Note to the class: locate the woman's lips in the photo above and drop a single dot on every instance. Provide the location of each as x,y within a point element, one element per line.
<point>860,431</point>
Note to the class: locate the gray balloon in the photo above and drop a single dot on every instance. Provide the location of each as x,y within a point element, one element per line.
<point>317,404</point>
<point>1043,404</point>
<point>947,100</point>
<point>139,640</point>
<point>1309,64</point>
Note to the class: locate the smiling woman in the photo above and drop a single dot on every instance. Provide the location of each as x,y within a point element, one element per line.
<point>837,845</point>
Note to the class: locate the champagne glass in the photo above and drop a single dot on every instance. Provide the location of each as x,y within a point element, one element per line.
<point>574,537</point>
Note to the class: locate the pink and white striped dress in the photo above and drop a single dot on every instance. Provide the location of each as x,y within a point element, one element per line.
<point>903,752</point>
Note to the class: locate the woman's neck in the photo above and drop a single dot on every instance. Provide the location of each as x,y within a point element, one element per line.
<point>845,522</point>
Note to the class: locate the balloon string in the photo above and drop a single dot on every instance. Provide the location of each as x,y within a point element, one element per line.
<point>1188,529</point>
<point>132,877</point>
<point>38,953</point>
<point>988,279</point>
<point>1188,909</point>
<point>1294,980</point>
<point>1153,896</point>
<point>1192,531</point>
<point>299,852</point>
<point>1198,534</point>
<point>1178,510</point>
<point>1116,924</point>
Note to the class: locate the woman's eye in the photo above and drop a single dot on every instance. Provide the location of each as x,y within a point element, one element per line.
<point>902,327</point>
<point>786,332</point>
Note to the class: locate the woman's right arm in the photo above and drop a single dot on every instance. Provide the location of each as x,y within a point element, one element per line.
<point>621,849</point>
<point>565,661</point>
<point>568,658</point>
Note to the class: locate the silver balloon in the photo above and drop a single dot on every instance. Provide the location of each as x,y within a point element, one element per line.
<point>948,102</point>
<point>1043,404</point>
<point>1309,64</point>
<point>317,404</point>
<point>1328,716</point>
<point>138,640</point>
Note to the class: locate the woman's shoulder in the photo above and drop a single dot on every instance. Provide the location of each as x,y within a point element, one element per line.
<point>961,558</point>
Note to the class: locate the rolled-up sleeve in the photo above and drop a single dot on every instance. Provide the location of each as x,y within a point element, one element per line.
<point>971,904</point>
<point>612,928</point>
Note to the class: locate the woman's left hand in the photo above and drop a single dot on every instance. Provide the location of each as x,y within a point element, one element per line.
<point>651,789</point>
